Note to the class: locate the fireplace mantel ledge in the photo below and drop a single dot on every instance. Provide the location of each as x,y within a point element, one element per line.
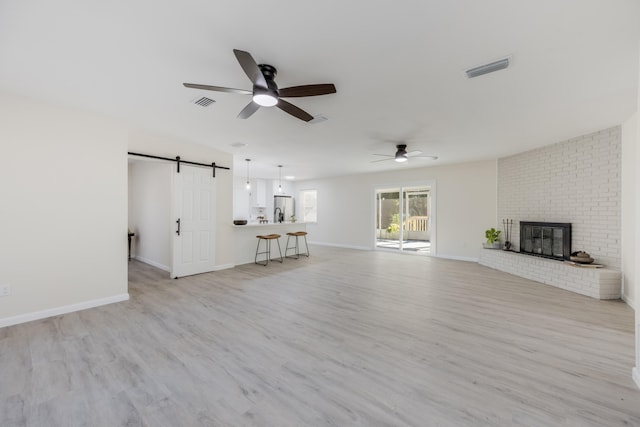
<point>600,283</point>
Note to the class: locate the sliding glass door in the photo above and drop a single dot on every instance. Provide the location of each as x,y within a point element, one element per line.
<point>403,219</point>
<point>388,218</point>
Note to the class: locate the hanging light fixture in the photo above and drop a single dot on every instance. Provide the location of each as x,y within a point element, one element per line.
<point>279,178</point>
<point>248,182</point>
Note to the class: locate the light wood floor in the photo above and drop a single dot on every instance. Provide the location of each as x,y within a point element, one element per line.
<point>343,338</point>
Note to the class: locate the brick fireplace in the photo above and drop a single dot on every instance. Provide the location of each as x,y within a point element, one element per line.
<point>576,182</point>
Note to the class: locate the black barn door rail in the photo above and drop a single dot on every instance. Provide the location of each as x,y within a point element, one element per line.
<point>178,160</point>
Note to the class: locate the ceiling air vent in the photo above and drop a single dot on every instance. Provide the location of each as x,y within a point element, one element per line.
<point>488,68</point>
<point>204,101</point>
<point>318,119</point>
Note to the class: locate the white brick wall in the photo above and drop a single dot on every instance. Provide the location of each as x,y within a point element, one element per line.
<point>576,181</point>
<point>600,283</point>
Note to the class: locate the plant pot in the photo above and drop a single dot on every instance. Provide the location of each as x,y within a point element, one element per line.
<point>494,245</point>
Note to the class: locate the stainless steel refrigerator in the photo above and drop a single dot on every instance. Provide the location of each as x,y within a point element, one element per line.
<point>283,208</point>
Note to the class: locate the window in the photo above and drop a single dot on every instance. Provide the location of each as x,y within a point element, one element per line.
<point>309,210</point>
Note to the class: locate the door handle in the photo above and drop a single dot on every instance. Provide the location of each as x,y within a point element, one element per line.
<point>178,230</point>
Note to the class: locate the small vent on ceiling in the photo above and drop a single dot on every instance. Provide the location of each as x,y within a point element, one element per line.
<point>204,101</point>
<point>318,119</point>
<point>488,68</point>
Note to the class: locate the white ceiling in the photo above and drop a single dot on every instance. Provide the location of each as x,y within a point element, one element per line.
<point>398,68</point>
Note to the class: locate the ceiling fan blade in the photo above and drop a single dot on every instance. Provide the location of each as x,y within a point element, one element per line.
<point>218,88</point>
<point>307,90</point>
<point>250,67</point>
<point>247,111</point>
<point>383,155</point>
<point>382,160</point>
<point>293,110</point>
<point>426,157</point>
<point>414,153</point>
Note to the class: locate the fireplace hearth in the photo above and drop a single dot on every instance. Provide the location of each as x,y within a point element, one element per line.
<point>546,239</point>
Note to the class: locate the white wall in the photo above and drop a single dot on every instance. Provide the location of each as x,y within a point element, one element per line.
<point>465,198</point>
<point>636,370</point>
<point>150,211</point>
<point>63,187</point>
<point>629,134</point>
<point>141,141</point>
<point>241,197</point>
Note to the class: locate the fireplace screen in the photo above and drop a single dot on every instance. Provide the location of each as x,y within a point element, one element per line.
<point>546,239</point>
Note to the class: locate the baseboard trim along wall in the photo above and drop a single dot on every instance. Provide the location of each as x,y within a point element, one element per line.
<point>168,270</point>
<point>223,267</point>
<point>628,301</point>
<point>458,258</point>
<point>636,376</point>
<point>153,263</point>
<point>37,315</point>
<point>335,245</point>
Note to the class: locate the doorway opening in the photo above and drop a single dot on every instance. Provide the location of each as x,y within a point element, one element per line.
<point>403,219</point>
<point>172,216</point>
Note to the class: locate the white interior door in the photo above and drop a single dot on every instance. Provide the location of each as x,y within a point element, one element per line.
<point>194,213</point>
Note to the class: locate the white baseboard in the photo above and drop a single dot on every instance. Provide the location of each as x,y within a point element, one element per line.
<point>167,269</point>
<point>153,263</point>
<point>223,267</point>
<point>458,258</point>
<point>36,315</point>
<point>335,245</point>
<point>628,301</point>
<point>636,376</point>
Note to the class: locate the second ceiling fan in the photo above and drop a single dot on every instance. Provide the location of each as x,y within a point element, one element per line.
<point>402,155</point>
<point>265,90</point>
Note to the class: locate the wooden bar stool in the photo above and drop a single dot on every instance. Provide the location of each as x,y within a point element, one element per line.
<point>296,234</point>
<point>267,241</point>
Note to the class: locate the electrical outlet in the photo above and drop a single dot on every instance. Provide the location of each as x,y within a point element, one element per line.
<point>5,290</point>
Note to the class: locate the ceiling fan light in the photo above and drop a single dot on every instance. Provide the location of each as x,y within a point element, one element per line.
<point>265,99</point>
<point>401,158</point>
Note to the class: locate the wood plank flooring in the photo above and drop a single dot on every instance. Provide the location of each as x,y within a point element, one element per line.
<point>343,338</point>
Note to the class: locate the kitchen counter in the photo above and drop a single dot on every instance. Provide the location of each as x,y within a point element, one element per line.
<point>245,240</point>
<point>269,224</point>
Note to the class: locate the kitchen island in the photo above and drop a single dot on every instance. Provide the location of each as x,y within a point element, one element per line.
<point>245,240</point>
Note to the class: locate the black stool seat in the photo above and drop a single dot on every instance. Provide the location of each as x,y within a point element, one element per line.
<point>267,238</point>
<point>296,248</point>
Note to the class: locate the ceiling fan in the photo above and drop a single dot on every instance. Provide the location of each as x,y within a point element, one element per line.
<point>265,90</point>
<point>402,155</point>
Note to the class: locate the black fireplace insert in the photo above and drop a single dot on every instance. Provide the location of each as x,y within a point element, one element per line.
<point>546,239</point>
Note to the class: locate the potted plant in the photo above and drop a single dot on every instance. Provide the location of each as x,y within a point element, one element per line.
<point>393,231</point>
<point>493,238</point>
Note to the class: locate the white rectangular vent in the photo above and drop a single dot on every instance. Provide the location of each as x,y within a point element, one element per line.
<point>204,101</point>
<point>318,119</point>
<point>488,68</point>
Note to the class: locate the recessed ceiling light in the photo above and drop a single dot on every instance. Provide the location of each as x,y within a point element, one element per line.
<point>239,144</point>
<point>289,177</point>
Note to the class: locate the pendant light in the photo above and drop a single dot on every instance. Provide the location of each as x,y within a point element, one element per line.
<point>279,178</point>
<point>248,182</point>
